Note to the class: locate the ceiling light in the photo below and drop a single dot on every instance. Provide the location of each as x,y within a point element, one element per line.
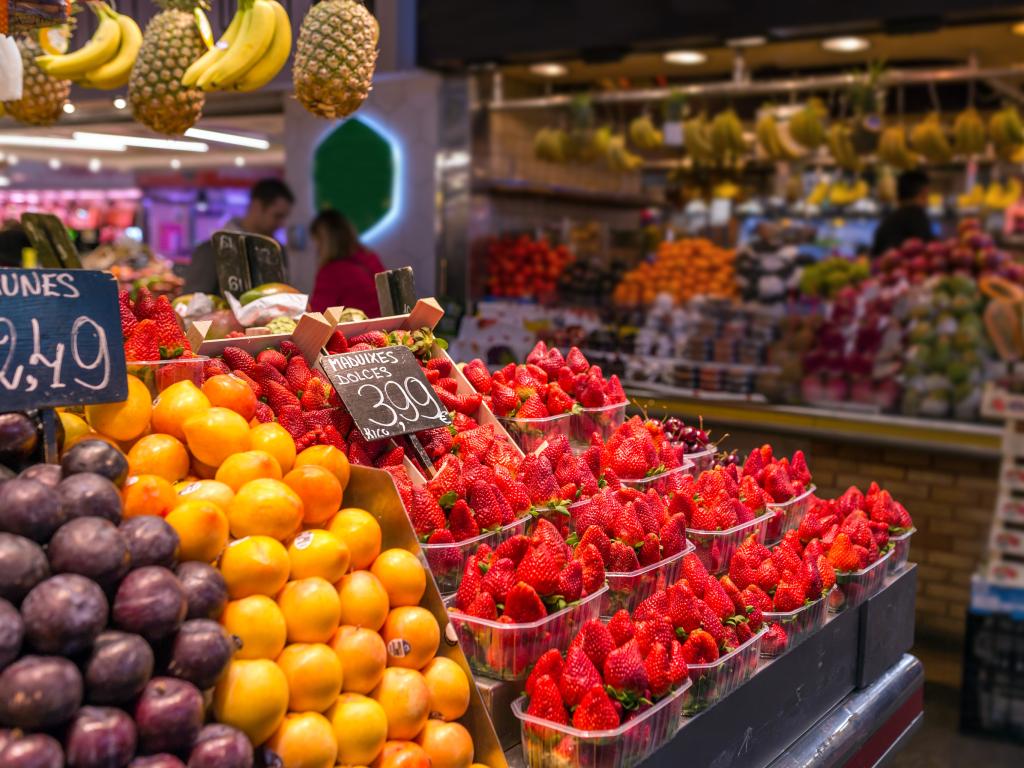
<point>95,165</point>
<point>845,44</point>
<point>175,163</point>
<point>549,69</point>
<point>12,159</point>
<point>686,58</point>
<point>751,41</point>
<point>54,142</point>
<point>240,161</point>
<point>120,103</point>
<point>227,138</point>
<point>141,141</point>
<point>69,108</point>
<point>54,164</point>
<point>4,181</point>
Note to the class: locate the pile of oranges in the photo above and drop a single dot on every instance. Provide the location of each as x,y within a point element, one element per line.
<point>337,661</point>
<point>682,269</point>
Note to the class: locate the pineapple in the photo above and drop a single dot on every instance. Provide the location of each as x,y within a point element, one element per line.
<point>334,58</point>
<point>170,44</point>
<point>42,97</point>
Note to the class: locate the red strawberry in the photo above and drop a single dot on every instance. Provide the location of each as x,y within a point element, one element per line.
<point>145,304</point>
<point>461,521</point>
<point>558,401</point>
<point>790,593</point>
<point>622,558</point>
<point>593,568</point>
<point>575,360</point>
<point>539,351</point>
<point>798,468</point>
<point>523,604</point>
<point>768,576</point>
<point>550,663</point>
<point>391,458</point>
<point>811,579</point>
<point>504,399</point>
<point>828,573</point>
<point>297,374</point>
<point>143,343</point>
<point>264,413</point>
<point>625,526</point>
<point>547,536</point>
<point>595,640</point>
<point>842,555</point>
<point>734,593</point>
<point>469,587</point>
<point>598,538</point>
<point>624,669</point>
<point>539,569</point>
<point>700,648</point>
<point>776,640</point>
<point>741,570</point>
<point>239,359</point>
<point>483,607</point>
<point>650,550</point>
<point>757,597</point>
<point>785,558</point>
<point>478,376</point>
<point>682,610</point>
<point>633,457</point>
<point>655,605</point>
<point>591,395</point>
<point>448,478</point>
<point>621,627</point>
<point>704,518</point>
<point>489,506</point>
<point>696,574</point>
<point>595,712</point>
<point>711,624</point>
<point>513,548</point>
<point>570,581</point>
<point>290,417</point>
<point>567,381</point>
<point>337,343</point>
<point>440,364</point>
<point>474,442</point>
<point>128,320</point>
<point>315,395</point>
<point>278,396</point>
<point>535,473</point>
<point>264,373</point>
<point>716,598</point>
<point>776,483</point>
<point>442,560</point>
<point>499,579</point>
<point>215,367</point>
<point>533,408</point>
<point>426,514</point>
<point>274,358</point>
<point>375,339</point>
<point>657,629</point>
<point>579,675</point>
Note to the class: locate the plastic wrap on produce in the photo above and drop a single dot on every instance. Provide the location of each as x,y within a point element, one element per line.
<point>262,311</point>
<point>10,69</point>
<point>17,16</point>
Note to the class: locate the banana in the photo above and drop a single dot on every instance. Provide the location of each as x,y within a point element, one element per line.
<point>892,148</point>
<point>696,140</point>
<point>928,138</point>
<point>807,126</point>
<point>115,73</point>
<point>767,132</point>
<point>100,49</point>
<point>274,59</point>
<point>252,43</point>
<point>215,54</point>
<point>840,144</point>
<point>968,133</point>
<point>1006,131</point>
<point>727,136</point>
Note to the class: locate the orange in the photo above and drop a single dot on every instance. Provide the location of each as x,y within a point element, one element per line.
<point>318,553</point>
<point>360,726</point>
<point>127,419</point>
<point>258,624</point>
<point>314,676</point>
<point>361,532</point>
<point>265,507</point>
<point>202,528</point>
<point>364,601</point>
<point>216,433</point>
<point>402,575</point>
<point>252,695</point>
<point>363,657</point>
<point>328,457</point>
<point>207,490</point>
<point>175,404</point>
<point>449,688</point>
<point>147,495</point>
<point>304,740</point>
<point>255,565</point>
<point>402,754</point>
<point>311,609</point>
<point>448,745</point>
<point>239,468</point>
<point>161,455</point>
<point>412,636</point>
<point>319,490</point>
<point>406,701</point>
<point>275,440</point>
<point>227,391</point>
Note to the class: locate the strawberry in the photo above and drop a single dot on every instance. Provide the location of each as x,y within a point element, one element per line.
<point>264,372</point>
<point>704,518</point>
<point>682,608</point>
<point>145,304</point>
<point>811,579</point>
<point>656,663</point>
<point>478,376</point>
<point>757,597</point>
<point>741,570</point>
<point>624,669</point>
<point>337,343</point>
<point>214,367</point>
<point>673,535</point>
<point>567,381</point>
<point>785,558</point>
<point>598,538</point>
<point>828,573</point>
<point>502,454</point>
<point>547,536</point>
<point>290,417</point>
<point>426,514</point>
<point>315,395</point>
<point>650,550</point>
<point>570,581</point>
<point>621,627</point>
<point>768,576</point>
<point>700,648</point>
<point>657,629</point>
<point>595,640</point>
<point>391,458</point>
<point>696,574</point>
<point>842,555</point>
<point>776,484</point>
<point>278,396</point>
<point>523,604</point>
<point>593,568</point>
<point>264,413</point>
<point>499,579</point>
<point>535,473</point>
<point>461,521</point>
<point>614,393</point>
<point>655,605</point>
<point>591,394</point>
<point>595,712</point>
<point>441,364</point>
<point>483,607</point>
<point>143,344</point>
<point>717,600</point>
<point>558,401</point>
<point>790,593</point>
<point>513,548</point>
<point>533,408</point>
<point>470,586</point>
<point>575,360</point>
<point>622,558</point>
<point>798,468</point>
<point>474,442</point>
<point>557,449</point>
<point>128,320</point>
<point>579,675</point>
<point>297,374</point>
<point>273,357</point>
<point>625,526</point>
<point>490,507</point>
<point>448,478</point>
<point>539,351</point>
<point>319,418</point>
<point>375,339</point>
<point>733,592</point>
<point>504,399</point>
<point>633,458</point>
<point>539,569</point>
<point>711,624</point>
<point>550,663</point>
<point>239,360</point>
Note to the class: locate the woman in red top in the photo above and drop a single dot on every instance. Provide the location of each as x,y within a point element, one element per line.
<point>347,267</point>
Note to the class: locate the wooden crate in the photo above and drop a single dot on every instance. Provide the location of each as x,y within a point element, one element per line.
<point>310,335</point>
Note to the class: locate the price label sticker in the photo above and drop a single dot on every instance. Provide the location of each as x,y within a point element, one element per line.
<point>386,392</point>
<point>60,339</point>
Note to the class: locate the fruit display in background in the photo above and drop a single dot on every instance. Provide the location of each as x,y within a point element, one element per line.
<point>828,277</point>
<point>520,266</point>
<point>335,57</point>
<point>682,269</point>
<point>105,61</point>
<point>43,97</point>
<point>171,42</point>
<point>972,253</point>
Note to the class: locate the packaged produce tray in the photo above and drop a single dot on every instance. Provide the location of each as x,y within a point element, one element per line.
<point>854,588</point>
<point>448,561</point>
<point>158,375</point>
<point>310,334</point>
<point>713,682</point>
<point>798,625</point>
<point>664,482</point>
<point>531,434</point>
<point>787,515</point>
<point>550,745</point>
<point>900,550</point>
<point>702,460</point>
<point>604,420</point>
<point>715,548</point>
<point>627,589</point>
<point>508,651</point>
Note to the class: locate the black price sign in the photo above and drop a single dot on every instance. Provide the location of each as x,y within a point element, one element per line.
<point>266,261</point>
<point>60,339</point>
<point>385,391</point>
<point>245,260</point>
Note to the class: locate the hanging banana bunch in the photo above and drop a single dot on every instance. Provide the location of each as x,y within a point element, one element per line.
<point>1007,132</point>
<point>892,148</point>
<point>643,134</point>
<point>807,127</point>
<point>928,139</point>
<point>619,158</point>
<point>106,60</point>
<point>969,133</point>
<point>771,140</point>
<point>840,146</point>
<point>726,135</point>
<point>697,140</point>
<point>549,145</point>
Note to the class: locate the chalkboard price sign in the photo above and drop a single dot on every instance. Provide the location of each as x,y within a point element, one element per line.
<point>60,339</point>
<point>385,391</point>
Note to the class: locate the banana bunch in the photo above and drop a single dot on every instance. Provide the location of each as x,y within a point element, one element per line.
<point>771,139</point>
<point>726,135</point>
<point>928,138</point>
<point>841,193</point>
<point>252,50</point>
<point>971,200</point>
<point>892,148</point>
<point>999,198</point>
<point>549,145</point>
<point>697,140</point>
<point>818,194</point>
<point>725,190</point>
<point>1006,131</point>
<point>839,138</point>
<point>807,127</point>
<point>969,133</point>
<point>643,134</point>
<point>619,158</point>
<point>105,62</point>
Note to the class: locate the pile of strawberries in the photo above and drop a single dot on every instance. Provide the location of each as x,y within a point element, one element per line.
<point>782,479</point>
<point>525,578</point>
<point>639,449</point>
<point>150,328</point>
<point>719,499</point>
<point>546,385</point>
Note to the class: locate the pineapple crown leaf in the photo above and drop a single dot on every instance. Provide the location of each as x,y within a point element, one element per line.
<point>182,5</point>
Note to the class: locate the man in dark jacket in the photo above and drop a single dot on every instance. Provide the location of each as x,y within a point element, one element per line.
<point>910,219</point>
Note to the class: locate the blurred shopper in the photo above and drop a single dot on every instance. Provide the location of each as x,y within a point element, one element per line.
<point>910,219</point>
<point>270,203</point>
<point>347,267</point>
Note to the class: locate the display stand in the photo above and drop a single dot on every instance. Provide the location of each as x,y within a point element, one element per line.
<point>1006,542</point>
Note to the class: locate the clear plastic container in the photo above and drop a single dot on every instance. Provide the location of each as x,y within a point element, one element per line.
<point>530,434</point>
<point>900,550</point>
<point>508,651</point>
<point>798,625</point>
<point>703,460</point>
<point>664,483</point>
<point>158,375</point>
<point>787,515</point>
<point>627,589</point>
<point>448,561</point>
<point>604,420</point>
<point>550,745</point>
<point>854,588</point>
<point>712,682</point>
<point>715,548</point>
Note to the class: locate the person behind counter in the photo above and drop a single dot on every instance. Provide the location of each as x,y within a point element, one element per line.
<point>345,277</point>
<point>910,219</point>
<point>270,203</point>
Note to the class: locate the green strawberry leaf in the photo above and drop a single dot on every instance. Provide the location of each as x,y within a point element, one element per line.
<point>441,343</point>
<point>572,539</point>
<point>658,470</point>
<point>447,501</point>
<point>576,409</point>
<point>682,634</point>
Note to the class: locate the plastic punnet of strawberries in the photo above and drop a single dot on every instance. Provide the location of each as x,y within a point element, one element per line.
<point>151,328</point>
<point>639,453</point>
<point>781,479</point>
